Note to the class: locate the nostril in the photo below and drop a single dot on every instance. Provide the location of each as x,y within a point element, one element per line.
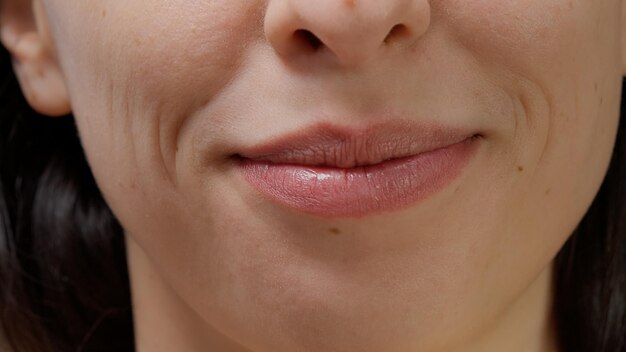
<point>308,38</point>
<point>398,31</point>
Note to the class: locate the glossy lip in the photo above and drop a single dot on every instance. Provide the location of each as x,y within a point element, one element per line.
<point>340,171</point>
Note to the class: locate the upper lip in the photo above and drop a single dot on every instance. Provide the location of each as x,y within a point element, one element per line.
<point>332,145</point>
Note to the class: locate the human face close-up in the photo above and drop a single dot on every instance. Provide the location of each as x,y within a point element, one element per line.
<point>244,147</point>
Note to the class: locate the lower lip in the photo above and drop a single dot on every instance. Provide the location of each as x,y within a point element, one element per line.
<point>360,191</point>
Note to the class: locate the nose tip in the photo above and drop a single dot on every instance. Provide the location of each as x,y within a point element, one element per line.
<point>352,31</point>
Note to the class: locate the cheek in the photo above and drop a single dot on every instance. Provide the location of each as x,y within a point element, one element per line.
<point>551,43</point>
<point>561,61</point>
<point>181,51</point>
<point>136,72</point>
<point>509,28</point>
<point>159,55</point>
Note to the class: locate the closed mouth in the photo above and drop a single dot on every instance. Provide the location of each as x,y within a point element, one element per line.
<point>332,171</point>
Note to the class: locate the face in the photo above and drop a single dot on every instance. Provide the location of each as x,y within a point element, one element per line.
<point>164,93</point>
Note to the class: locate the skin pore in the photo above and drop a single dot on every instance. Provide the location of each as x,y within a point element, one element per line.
<point>165,91</point>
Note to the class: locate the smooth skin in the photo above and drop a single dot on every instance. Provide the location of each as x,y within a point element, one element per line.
<point>164,92</point>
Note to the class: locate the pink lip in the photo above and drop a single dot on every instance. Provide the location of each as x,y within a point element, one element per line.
<point>334,171</point>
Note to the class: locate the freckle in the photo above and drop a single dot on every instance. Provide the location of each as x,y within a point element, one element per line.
<point>548,191</point>
<point>595,87</point>
<point>601,100</point>
<point>104,13</point>
<point>34,97</point>
<point>350,3</point>
<point>334,230</point>
<point>520,168</point>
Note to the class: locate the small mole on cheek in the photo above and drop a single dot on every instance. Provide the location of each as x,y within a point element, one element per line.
<point>334,230</point>
<point>104,13</point>
<point>34,97</point>
<point>132,185</point>
<point>350,3</point>
<point>548,191</point>
<point>520,168</point>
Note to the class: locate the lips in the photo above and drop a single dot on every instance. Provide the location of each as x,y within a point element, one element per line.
<point>337,171</point>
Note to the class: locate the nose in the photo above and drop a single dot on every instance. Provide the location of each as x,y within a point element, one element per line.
<point>350,32</point>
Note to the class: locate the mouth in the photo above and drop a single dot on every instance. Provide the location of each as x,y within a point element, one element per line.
<point>344,172</point>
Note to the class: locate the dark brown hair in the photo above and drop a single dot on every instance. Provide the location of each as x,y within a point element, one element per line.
<point>63,275</point>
